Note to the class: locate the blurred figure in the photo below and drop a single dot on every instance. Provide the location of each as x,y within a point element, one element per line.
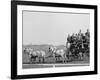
<point>87,33</point>
<point>79,42</point>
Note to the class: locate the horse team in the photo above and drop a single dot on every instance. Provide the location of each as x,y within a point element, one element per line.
<point>76,46</point>
<point>41,55</point>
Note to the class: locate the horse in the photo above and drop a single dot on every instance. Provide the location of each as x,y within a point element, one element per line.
<point>33,54</point>
<point>41,55</point>
<point>57,53</point>
<point>29,52</point>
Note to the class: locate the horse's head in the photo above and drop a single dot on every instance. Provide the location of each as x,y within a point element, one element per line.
<point>50,49</point>
<point>26,50</point>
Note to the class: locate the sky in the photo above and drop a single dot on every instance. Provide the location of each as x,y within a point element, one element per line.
<point>52,28</point>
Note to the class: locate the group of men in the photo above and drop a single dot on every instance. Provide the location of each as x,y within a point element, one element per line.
<point>79,42</point>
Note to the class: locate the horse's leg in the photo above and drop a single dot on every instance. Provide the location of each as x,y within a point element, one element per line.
<point>68,56</point>
<point>30,60</point>
<point>62,59</point>
<point>42,59</point>
<point>65,58</point>
<point>55,59</point>
<point>38,59</point>
<point>35,59</point>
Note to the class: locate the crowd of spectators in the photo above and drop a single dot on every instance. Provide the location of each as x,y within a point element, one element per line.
<point>79,42</point>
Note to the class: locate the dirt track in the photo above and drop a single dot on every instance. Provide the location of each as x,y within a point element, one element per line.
<point>70,64</point>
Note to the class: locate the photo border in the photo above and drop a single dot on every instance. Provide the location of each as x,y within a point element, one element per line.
<point>14,51</point>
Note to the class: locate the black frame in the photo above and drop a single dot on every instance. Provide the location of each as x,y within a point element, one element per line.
<point>14,39</point>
